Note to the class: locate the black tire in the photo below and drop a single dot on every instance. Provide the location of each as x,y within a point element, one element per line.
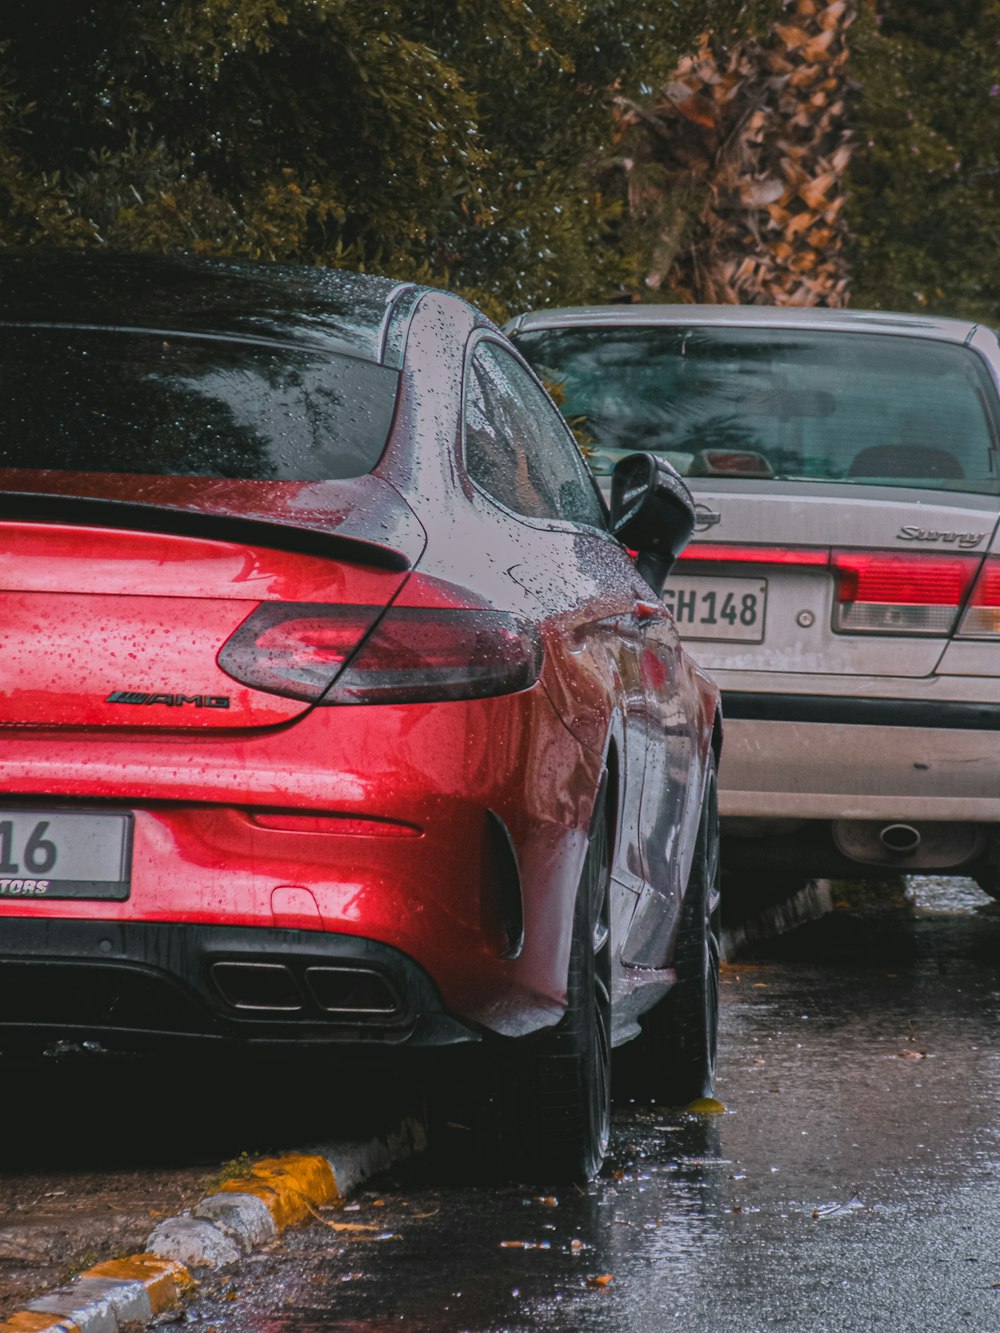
<point>555,1102</point>
<point>672,1061</point>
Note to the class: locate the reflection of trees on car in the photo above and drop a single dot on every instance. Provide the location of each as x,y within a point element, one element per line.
<point>811,403</point>
<point>156,403</point>
<point>723,431</point>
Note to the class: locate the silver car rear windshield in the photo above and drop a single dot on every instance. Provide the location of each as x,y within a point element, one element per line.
<point>94,400</point>
<point>874,409</point>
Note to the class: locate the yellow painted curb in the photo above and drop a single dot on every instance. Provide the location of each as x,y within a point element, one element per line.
<point>165,1280</point>
<point>30,1321</point>
<point>290,1186</point>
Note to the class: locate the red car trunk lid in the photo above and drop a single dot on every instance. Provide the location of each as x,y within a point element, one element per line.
<point>111,628</point>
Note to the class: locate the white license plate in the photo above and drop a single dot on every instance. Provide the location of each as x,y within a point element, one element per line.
<point>64,854</point>
<point>710,608</point>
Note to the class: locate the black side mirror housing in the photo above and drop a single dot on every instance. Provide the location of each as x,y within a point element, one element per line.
<point>652,512</point>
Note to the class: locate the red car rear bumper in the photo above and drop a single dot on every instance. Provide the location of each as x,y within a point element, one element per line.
<point>437,846</point>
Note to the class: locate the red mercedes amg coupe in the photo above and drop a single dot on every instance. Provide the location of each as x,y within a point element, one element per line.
<point>337,711</point>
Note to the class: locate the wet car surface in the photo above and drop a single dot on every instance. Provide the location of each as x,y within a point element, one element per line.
<point>850,1184</point>
<point>336,711</point>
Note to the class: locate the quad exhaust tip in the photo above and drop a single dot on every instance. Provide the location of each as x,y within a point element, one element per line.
<point>342,991</point>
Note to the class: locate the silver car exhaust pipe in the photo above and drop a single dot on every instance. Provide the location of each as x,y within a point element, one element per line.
<point>900,839</point>
<point>927,845</point>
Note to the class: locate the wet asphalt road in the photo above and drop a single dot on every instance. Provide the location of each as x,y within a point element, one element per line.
<point>852,1183</point>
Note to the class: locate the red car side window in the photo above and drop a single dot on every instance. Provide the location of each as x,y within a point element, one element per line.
<point>517,447</point>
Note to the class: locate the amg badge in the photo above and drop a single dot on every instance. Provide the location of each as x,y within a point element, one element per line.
<point>171,700</point>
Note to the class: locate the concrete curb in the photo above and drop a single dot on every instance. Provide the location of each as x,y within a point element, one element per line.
<point>240,1216</point>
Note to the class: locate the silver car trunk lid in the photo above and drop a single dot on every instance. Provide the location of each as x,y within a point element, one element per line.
<point>790,576</point>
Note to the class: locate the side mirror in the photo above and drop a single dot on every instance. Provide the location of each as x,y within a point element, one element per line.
<point>652,512</point>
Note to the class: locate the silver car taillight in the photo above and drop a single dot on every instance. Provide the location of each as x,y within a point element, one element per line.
<point>885,592</point>
<point>889,592</point>
<point>982,616</point>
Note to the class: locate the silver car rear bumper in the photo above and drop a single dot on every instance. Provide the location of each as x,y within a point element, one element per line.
<point>839,770</point>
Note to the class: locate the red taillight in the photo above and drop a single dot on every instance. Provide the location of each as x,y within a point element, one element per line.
<point>982,618</point>
<point>757,555</point>
<point>902,580</point>
<point>330,654</point>
<point>882,592</point>
<point>295,649</point>
<point>418,654</point>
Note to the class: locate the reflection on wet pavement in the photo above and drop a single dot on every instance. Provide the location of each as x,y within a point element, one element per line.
<point>945,894</point>
<point>851,1184</point>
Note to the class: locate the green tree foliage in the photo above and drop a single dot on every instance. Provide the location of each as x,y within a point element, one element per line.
<point>445,140</point>
<point>926,171</point>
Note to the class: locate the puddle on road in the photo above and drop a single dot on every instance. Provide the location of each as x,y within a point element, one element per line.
<point>946,894</point>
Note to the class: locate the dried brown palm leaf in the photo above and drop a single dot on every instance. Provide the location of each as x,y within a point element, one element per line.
<point>752,148</point>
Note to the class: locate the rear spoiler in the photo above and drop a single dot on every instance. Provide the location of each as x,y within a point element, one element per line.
<point>309,538</point>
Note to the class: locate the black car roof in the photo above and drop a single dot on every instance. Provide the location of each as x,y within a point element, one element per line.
<point>320,307</point>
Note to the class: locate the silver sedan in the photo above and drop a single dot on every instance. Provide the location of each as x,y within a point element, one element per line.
<point>844,587</point>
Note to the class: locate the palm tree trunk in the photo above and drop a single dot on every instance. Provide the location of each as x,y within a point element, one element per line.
<point>736,169</point>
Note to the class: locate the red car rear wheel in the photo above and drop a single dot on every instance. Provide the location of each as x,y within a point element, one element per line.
<point>555,1106</point>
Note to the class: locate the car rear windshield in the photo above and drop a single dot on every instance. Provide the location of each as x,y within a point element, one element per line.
<point>173,405</point>
<point>879,409</point>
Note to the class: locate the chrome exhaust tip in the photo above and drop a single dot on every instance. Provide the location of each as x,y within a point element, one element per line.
<point>900,839</point>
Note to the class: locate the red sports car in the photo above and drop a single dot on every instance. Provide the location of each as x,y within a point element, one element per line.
<point>335,710</point>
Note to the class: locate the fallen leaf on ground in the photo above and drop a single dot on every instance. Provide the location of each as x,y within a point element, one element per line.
<point>705,1106</point>
<point>912,1055</point>
<point>341,1226</point>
